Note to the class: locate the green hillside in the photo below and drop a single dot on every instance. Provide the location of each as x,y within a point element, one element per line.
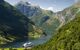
<point>67,38</point>
<point>45,19</point>
<point>13,25</point>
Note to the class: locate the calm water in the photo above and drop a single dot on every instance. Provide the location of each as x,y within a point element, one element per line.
<point>35,42</point>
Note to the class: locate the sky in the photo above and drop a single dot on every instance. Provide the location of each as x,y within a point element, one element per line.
<point>54,5</point>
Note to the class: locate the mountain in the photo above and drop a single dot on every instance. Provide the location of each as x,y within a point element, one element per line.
<point>67,14</point>
<point>46,19</point>
<point>67,37</point>
<point>28,9</point>
<point>13,24</point>
<point>42,18</point>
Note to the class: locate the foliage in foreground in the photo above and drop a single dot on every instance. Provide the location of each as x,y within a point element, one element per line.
<point>67,38</point>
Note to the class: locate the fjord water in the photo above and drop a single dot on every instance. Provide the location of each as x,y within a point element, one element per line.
<point>19,43</point>
<point>19,20</point>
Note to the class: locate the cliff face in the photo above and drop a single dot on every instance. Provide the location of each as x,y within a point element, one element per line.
<point>68,36</point>
<point>48,20</point>
<point>13,24</point>
<point>42,18</point>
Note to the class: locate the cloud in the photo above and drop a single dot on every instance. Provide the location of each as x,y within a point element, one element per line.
<point>77,1</point>
<point>51,8</point>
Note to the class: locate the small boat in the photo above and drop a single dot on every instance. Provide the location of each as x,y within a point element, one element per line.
<point>27,45</point>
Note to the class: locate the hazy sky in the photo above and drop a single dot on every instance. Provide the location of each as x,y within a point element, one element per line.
<point>54,5</point>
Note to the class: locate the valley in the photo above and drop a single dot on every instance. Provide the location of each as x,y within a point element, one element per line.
<point>46,30</point>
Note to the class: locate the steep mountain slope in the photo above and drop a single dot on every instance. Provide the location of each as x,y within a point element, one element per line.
<point>42,18</point>
<point>67,37</point>
<point>28,9</point>
<point>67,14</point>
<point>47,20</point>
<point>13,25</point>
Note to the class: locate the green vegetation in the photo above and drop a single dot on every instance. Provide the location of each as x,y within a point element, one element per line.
<point>67,38</point>
<point>36,33</point>
<point>42,18</point>
<point>13,25</point>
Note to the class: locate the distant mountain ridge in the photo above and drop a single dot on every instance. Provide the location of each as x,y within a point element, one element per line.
<point>13,24</point>
<point>39,16</point>
<point>28,9</point>
<point>54,20</point>
<point>68,36</point>
<point>29,20</point>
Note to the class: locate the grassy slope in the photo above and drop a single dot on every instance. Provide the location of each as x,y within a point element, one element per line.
<point>13,24</point>
<point>67,38</point>
<point>42,18</point>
